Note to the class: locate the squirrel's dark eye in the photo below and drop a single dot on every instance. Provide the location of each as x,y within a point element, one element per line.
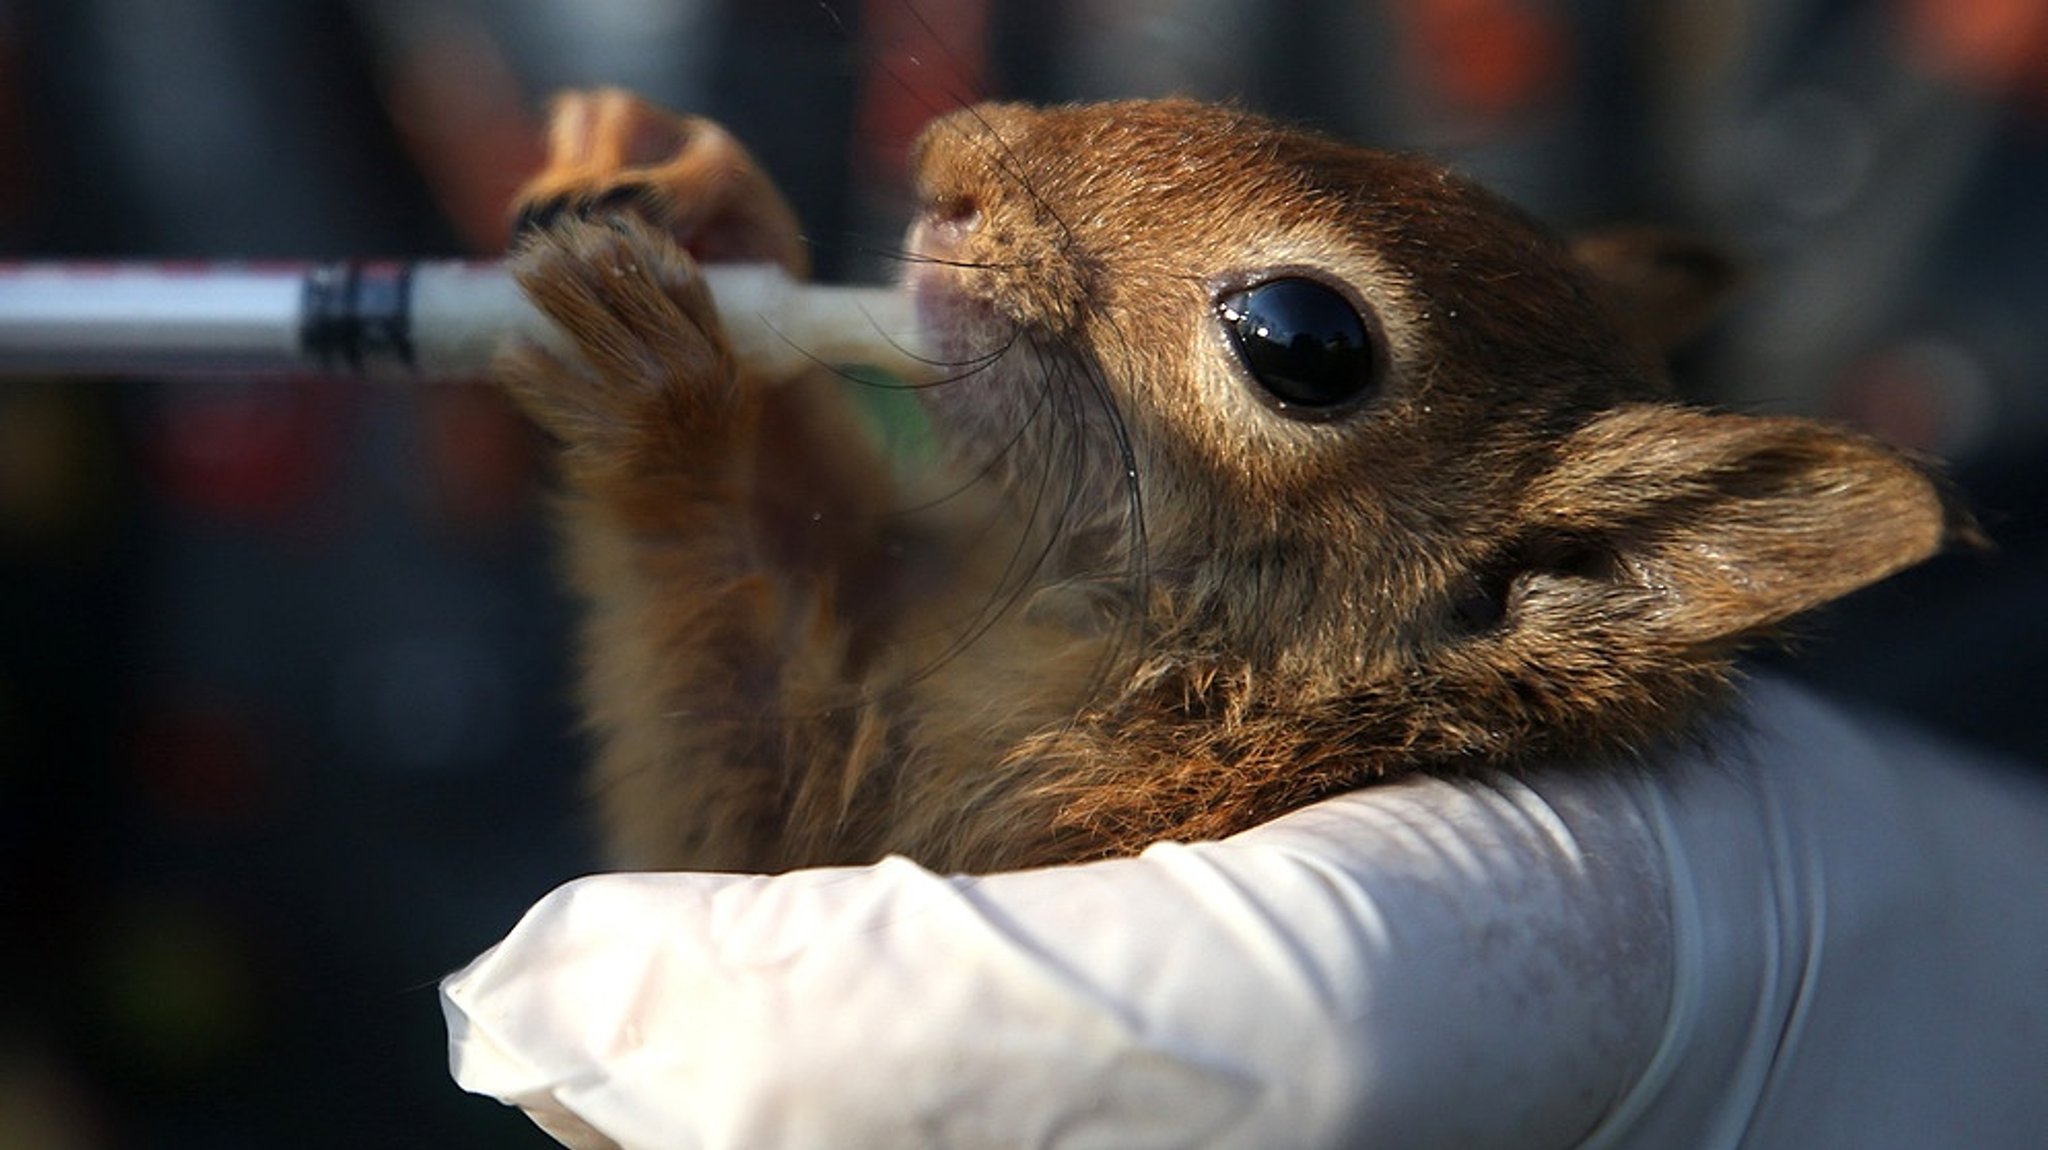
<point>1303,342</point>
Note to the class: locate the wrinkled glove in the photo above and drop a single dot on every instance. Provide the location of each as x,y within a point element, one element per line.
<point>1800,934</point>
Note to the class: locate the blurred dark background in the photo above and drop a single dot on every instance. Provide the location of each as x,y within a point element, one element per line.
<point>283,723</point>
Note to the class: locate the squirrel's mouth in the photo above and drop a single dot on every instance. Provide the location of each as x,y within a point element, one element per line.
<point>1024,396</point>
<point>963,329</point>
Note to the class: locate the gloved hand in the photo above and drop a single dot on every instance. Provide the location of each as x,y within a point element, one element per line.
<point>1802,935</point>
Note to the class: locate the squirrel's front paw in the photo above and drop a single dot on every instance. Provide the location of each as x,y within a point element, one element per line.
<point>610,153</point>
<point>651,365</point>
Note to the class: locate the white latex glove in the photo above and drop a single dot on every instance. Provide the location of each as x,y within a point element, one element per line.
<point>1810,936</point>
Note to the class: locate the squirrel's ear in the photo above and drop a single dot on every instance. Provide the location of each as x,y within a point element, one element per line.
<point>1666,285</point>
<point>1660,540</point>
<point>1667,531</point>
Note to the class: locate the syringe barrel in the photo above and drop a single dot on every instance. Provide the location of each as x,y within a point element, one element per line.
<point>425,319</point>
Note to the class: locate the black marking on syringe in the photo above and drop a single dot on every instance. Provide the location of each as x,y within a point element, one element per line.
<point>324,326</point>
<point>357,316</point>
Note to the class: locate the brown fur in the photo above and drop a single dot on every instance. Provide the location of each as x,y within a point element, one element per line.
<point>1135,602</point>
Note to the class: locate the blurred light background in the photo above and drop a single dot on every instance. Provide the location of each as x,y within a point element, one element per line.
<point>283,720</point>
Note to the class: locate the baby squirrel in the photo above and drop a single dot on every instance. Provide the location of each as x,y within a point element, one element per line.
<point>1271,466</point>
